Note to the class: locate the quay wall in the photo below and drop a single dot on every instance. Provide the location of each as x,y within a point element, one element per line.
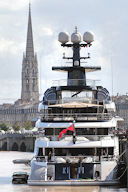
<point>17,142</point>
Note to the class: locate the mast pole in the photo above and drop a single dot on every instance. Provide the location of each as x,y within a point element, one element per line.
<point>74,133</point>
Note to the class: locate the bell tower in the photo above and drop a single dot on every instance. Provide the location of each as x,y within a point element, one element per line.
<point>30,89</point>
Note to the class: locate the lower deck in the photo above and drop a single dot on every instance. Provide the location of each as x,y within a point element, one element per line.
<point>82,173</point>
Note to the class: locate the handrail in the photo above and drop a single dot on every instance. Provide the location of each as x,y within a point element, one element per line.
<point>95,158</point>
<point>80,99</point>
<point>82,135</point>
<point>64,82</point>
<point>80,116</point>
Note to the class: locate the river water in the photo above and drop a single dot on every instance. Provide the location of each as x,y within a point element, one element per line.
<point>7,168</point>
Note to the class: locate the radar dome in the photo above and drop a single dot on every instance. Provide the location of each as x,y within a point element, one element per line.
<point>88,37</point>
<point>76,38</point>
<point>63,37</point>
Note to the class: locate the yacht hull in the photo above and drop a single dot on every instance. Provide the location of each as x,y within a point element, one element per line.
<point>72,183</point>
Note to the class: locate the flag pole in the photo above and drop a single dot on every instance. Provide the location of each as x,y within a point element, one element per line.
<point>74,133</point>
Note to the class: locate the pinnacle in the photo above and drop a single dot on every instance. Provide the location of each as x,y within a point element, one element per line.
<point>29,45</point>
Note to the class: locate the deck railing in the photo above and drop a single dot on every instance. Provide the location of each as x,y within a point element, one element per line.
<point>78,159</point>
<point>87,82</point>
<point>91,137</point>
<point>76,116</point>
<point>79,99</point>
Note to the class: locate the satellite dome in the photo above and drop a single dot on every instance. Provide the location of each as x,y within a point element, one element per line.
<point>88,37</point>
<point>63,37</point>
<point>76,37</point>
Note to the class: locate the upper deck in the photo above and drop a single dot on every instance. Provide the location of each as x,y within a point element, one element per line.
<point>76,98</point>
<point>79,109</point>
<point>61,117</point>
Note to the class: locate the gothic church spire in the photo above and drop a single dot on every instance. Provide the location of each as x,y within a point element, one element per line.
<point>29,44</point>
<point>30,90</point>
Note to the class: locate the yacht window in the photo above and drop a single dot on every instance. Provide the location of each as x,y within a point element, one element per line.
<point>110,151</point>
<point>48,151</point>
<point>85,95</point>
<point>40,152</point>
<point>49,131</point>
<point>79,131</point>
<point>74,151</point>
<point>105,151</point>
<point>85,131</point>
<point>102,131</point>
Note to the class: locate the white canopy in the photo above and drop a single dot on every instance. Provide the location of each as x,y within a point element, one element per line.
<point>75,105</point>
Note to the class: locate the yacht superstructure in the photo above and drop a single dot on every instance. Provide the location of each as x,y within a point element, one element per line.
<point>77,117</point>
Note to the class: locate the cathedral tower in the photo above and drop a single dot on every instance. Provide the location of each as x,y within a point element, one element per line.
<point>30,90</point>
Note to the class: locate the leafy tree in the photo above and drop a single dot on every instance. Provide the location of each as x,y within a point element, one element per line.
<point>27,125</point>
<point>16,126</point>
<point>4,126</point>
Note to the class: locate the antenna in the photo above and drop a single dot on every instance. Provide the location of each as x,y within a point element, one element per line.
<point>75,29</point>
<point>40,78</point>
<point>112,76</point>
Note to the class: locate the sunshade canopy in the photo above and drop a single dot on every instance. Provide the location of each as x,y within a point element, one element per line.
<point>74,105</point>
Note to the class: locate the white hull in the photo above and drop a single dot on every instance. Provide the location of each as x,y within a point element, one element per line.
<point>72,183</point>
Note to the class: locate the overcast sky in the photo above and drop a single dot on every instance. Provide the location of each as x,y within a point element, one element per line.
<point>108,19</point>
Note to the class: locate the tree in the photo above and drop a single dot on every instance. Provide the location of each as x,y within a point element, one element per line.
<point>4,126</point>
<point>16,126</point>
<point>27,125</point>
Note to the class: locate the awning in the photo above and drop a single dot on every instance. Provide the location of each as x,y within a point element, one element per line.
<point>75,105</point>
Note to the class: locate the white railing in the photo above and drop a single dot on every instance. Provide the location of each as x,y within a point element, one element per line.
<point>76,116</point>
<point>78,158</point>
<point>91,137</point>
<point>77,100</point>
<point>65,82</point>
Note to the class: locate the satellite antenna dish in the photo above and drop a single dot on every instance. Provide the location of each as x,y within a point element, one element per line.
<point>63,37</point>
<point>88,37</point>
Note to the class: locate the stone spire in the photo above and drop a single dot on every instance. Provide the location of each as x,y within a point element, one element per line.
<point>30,90</point>
<point>29,45</point>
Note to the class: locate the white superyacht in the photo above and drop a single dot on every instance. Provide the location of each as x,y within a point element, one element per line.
<point>77,121</point>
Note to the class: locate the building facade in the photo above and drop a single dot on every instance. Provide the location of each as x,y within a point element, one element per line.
<point>26,108</point>
<point>122,108</point>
